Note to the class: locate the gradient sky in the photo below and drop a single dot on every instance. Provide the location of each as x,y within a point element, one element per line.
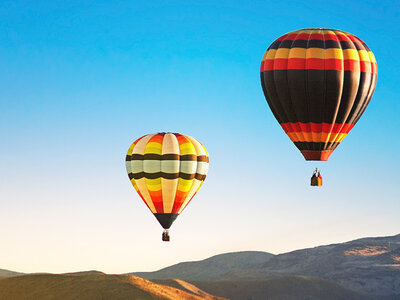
<point>80,82</point>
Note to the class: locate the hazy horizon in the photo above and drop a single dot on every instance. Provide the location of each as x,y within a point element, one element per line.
<point>80,82</point>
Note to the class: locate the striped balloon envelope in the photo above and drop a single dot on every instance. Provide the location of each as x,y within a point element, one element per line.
<point>318,83</point>
<point>167,170</point>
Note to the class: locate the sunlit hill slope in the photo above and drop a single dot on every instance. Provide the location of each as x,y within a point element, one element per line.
<point>91,285</point>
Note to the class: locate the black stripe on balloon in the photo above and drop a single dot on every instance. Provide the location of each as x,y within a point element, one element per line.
<point>203,158</point>
<point>153,156</point>
<point>286,44</point>
<point>315,146</point>
<point>164,175</point>
<point>200,177</point>
<point>274,45</point>
<point>300,43</point>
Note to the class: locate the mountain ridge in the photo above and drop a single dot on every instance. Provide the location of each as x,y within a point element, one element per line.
<point>209,268</point>
<point>7,273</point>
<point>369,265</point>
<point>366,268</point>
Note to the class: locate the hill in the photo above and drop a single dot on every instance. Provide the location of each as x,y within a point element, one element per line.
<point>6,273</point>
<point>284,288</point>
<point>368,265</point>
<point>210,268</point>
<point>91,286</point>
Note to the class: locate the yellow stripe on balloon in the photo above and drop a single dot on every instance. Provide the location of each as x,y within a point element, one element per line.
<point>335,53</point>
<point>316,137</point>
<point>130,150</point>
<point>282,53</point>
<point>371,57</point>
<point>297,53</point>
<point>153,147</point>
<point>184,185</point>
<point>187,148</point>
<point>363,55</point>
<point>134,184</point>
<point>153,184</point>
<point>315,53</point>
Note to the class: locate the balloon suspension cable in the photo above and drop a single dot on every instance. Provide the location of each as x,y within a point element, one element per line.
<point>165,236</point>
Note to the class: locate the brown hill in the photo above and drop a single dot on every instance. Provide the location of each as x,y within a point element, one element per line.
<point>369,265</point>
<point>4,273</point>
<point>211,268</point>
<point>284,288</point>
<point>91,285</point>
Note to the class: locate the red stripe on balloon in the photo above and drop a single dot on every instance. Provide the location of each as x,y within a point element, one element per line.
<point>316,127</point>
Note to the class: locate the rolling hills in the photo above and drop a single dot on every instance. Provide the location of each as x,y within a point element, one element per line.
<point>9,273</point>
<point>367,266</point>
<point>211,268</point>
<point>91,286</point>
<point>282,288</point>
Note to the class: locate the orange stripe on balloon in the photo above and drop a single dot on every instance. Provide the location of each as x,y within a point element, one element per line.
<point>156,198</point>
<point>182,139</point>
<point>157,138</point>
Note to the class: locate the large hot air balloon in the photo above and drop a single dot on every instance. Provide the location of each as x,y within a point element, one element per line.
<point>318,83</point>
<point>167,170</point>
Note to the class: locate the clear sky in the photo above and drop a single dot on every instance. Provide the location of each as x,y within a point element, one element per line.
<point>80,81</point>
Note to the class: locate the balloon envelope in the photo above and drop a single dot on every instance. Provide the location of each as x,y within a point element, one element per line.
<point>318,83</point>
<point>167,170</point>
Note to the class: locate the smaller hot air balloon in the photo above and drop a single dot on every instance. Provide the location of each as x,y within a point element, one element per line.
<point>167,170</point>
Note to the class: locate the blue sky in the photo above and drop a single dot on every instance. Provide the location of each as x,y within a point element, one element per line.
<point>81,81</point>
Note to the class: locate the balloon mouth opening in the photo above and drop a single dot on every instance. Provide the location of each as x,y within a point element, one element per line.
<point>166,219</point>
<point>316,154</point>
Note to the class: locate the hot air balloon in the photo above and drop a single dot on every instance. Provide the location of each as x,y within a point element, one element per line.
<point>167,170</point>
<point>318,83</point>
